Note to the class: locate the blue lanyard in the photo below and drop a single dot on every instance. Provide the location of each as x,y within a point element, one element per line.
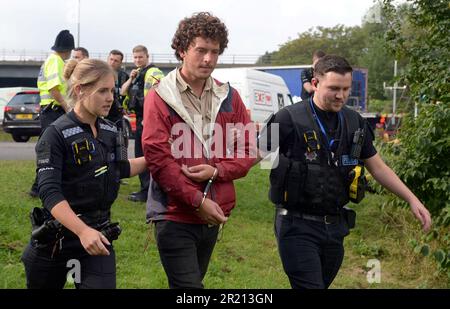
<point>328,142</point>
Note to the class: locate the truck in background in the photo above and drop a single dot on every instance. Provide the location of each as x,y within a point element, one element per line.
<point>262,93</point>
<point>291,76</point>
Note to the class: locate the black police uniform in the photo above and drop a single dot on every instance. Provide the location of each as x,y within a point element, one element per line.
<point>310,187</point>
<point>72,165</point>
<point>136,103</point>
<point>306,76</point>
<point>116,112</point>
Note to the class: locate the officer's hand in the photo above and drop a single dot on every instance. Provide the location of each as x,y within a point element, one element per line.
<point>134,73</point>
<point>198,173</point>
<point>422,214</point>
<point>211,212</point>
<point>93,242</point>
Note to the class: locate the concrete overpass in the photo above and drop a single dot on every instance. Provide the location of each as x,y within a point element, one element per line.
<point>23,71</point>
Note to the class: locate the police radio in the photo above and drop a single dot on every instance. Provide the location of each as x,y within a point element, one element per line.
<point>121,151</point>
<point>358,140</point>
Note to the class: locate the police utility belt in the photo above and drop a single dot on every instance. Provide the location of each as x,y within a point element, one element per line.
<point>47,230</point>
<point>51,107</point>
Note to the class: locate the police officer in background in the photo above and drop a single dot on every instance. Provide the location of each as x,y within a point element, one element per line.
<point>323,150</point>
<point>142,78</point>
<point>307,75</point>
<point>80,161</point>
<point>115,59</point>
<point>52,86</point>
<point>80,53</point>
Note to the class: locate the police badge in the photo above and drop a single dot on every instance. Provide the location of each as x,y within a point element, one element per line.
<point>310,156</point>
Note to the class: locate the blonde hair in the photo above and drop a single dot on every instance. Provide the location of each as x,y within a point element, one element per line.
<point>87,72</point>
<point>140,48</point>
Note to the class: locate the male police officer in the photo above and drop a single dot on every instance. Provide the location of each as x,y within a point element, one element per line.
<point>115,59</point>
<point>80,53</point>
<point>52,86</point>
<point>324,147</point>
<point>136,87</point>
<point>307,75</point>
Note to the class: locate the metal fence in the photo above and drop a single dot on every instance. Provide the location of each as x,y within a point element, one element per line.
<point>39,55</point>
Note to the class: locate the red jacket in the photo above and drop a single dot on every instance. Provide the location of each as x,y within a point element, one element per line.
<point>172,195</point>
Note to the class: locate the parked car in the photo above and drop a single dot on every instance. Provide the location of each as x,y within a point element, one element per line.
<point>21,116</point>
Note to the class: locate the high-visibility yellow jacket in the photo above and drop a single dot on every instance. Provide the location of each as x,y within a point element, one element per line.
<point>50,76</point>
<point>152,76</point>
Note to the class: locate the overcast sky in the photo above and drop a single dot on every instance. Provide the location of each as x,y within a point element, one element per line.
<point>255,26</point>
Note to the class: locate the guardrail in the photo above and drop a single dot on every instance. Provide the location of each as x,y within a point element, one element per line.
<point>39,55</point>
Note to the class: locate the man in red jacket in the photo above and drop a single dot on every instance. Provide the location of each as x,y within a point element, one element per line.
<point>188,118</point>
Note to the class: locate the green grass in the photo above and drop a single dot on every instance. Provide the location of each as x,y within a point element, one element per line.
<point>246,255</point>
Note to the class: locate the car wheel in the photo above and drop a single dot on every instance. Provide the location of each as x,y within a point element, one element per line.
<point>20,138</point>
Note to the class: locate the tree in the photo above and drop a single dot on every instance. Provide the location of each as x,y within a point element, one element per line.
<point>422,159</point>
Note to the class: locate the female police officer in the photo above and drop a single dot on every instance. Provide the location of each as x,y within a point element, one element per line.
<point>79,163</point>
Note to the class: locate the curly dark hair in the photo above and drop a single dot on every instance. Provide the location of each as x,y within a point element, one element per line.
<point>203,25</point>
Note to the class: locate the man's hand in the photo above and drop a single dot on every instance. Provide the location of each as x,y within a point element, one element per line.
<point>422,214</point>
<point>211,212</point>
<point>198,173</point>
<point>134,73</point>
<point>93,242</point>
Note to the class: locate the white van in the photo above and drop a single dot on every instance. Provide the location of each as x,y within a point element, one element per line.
<point>262,93</point>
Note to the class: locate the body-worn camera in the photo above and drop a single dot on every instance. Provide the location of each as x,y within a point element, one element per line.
<point>82,151</point>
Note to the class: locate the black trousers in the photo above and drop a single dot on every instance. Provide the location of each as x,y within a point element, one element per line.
<point>47,116</point>
<point>311,252</point>
<point>139,152</point>
<point>185,251</point>
<point>46,272</point>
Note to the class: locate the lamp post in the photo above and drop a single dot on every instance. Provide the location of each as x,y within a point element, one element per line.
<point>394,89</point>
<point>78,24</point>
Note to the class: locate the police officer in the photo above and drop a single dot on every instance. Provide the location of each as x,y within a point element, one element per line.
<point>307,75</point>
<point>80,161</point>
<point>323,150</point>
<point>52,86</point>
<point>136,88</point>
<point>115,59</point>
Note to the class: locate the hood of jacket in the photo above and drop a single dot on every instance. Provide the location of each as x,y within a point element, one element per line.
<point>168,91</point>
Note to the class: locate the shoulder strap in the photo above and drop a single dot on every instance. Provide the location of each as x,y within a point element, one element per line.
<point>301,116</point>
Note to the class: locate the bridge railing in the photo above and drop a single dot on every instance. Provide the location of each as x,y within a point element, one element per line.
<point>39,55</point>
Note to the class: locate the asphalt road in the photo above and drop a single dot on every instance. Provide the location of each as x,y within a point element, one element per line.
<point>25,151</point>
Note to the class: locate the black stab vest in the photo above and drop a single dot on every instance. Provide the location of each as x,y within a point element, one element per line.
<point>87,192</point>
<point>309,181</point>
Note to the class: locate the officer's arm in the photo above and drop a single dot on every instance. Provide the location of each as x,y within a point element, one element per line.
<point>138,166</point>
<point>306,81</point>
<point>92,240</point>
<point>384,175</point>
<point>54,92</point>
<point>125,87</point>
